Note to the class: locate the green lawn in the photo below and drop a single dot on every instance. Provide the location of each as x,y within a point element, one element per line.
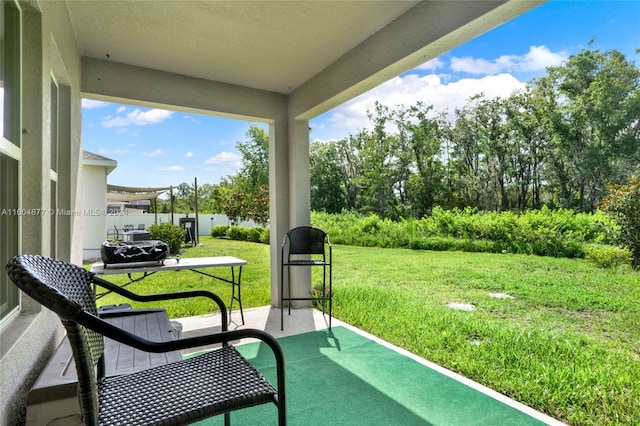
<point>567,343</point>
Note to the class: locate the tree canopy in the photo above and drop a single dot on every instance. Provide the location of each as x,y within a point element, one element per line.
<point>560,142</point>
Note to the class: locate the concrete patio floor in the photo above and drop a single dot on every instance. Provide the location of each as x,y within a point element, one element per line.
<point>264,318</point>
<point>304,320</point>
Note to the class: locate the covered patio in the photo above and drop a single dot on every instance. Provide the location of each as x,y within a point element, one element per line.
<point>277,62</point>
<point>374,379</point>
<point>282,63</point>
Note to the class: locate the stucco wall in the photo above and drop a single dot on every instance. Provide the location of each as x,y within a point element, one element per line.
<point>93,213</point>
<point>49,51</point>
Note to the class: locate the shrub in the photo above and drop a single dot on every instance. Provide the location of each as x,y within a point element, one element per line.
<point>265,237</point>
<point>543,232</point>
<point>237,233</point>
<point>433,243</point>
<point>622,203</point>
<point>172,235</point>
<point>219,231</point>
<point>255,234</point>
<point>607,256</point>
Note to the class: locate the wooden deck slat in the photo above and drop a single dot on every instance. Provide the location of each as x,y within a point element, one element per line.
<point>59,380</point>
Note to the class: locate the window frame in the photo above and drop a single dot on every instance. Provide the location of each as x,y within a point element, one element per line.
<point>53,171</point>
<point>10,151</point>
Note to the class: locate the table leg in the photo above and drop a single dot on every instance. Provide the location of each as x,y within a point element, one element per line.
<point>236,284</point>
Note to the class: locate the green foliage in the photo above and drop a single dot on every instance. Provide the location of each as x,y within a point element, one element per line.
<point>219,231</point>
<point>259,206</point>
<point>172,235</point>
<point>433,243</point>
<point>265,237</point>
<point>593,104</point>
<point>622,203</point>
<point>327,178</point>
<point>255,234</point>
<point>246,194</point>
<point>558,142</point>
<point>238,233</point>
<point>543,232</point>
<point>607,256</point>
<point>235,206</point>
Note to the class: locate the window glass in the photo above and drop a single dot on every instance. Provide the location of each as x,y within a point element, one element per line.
<point>54,125</point>
<point>10,72</point>
<point>9,216</point>
<point>54,228</point>
<point>54,168</point>
<point>10,154</point>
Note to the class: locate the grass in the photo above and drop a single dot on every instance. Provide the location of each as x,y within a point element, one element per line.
<point>567,343</point>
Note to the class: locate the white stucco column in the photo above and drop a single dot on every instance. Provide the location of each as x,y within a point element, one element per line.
<point>299,189</point>
<point>279,199</point>
<point>290,192</point>
<point>299,203</point>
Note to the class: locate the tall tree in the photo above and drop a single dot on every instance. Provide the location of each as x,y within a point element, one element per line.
<point>423,134</point>
<point>379,173</point>
<point>528,142</point>
<point>254,172</point>
<point>466,158</point>
<point>351,168</point>
<point>327,178</point>
<point>248,189</point>
<point>597,101</point>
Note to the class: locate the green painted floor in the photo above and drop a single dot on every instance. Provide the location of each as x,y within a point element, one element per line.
<point>340,377</point>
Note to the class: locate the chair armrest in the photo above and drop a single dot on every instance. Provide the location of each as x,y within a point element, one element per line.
<point>123,336</point>
<point>118,334</point>
<point>165,296</point>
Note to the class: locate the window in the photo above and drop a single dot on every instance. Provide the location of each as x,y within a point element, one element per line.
<point>10,152</point>
<point>53,173</point>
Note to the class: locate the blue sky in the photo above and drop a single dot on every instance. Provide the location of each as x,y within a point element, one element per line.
<point>160,148</point>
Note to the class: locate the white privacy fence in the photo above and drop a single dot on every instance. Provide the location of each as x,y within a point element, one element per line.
<point>205,221</point>
<point>95,233</point>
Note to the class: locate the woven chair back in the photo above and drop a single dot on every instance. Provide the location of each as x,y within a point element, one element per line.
<point>65,289</point>
<point>306,240</point>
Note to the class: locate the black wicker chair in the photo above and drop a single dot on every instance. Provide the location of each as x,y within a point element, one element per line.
<point>306,246</point>
<point>213,383</point>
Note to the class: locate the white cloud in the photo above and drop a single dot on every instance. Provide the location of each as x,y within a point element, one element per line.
<point>351,116</point>
<point>138,117</point>
<point>432,65</point>
<point>157,153</point>
<point>188,154</point>
<point>191,119</point>
<point>169,168</point>
<point>537,59</point>
<point>90,103</point>
<point>225,158</point>
<point>121,109</point>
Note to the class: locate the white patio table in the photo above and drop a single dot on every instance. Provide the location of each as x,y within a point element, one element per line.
<point>194,264</point>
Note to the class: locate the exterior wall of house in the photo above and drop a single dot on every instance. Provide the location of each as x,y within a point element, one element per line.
<point>49,57</point>
<point>94,206</point>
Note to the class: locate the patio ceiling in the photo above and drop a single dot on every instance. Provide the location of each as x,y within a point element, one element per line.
<point>273,46</point>
<point>279,46</point>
